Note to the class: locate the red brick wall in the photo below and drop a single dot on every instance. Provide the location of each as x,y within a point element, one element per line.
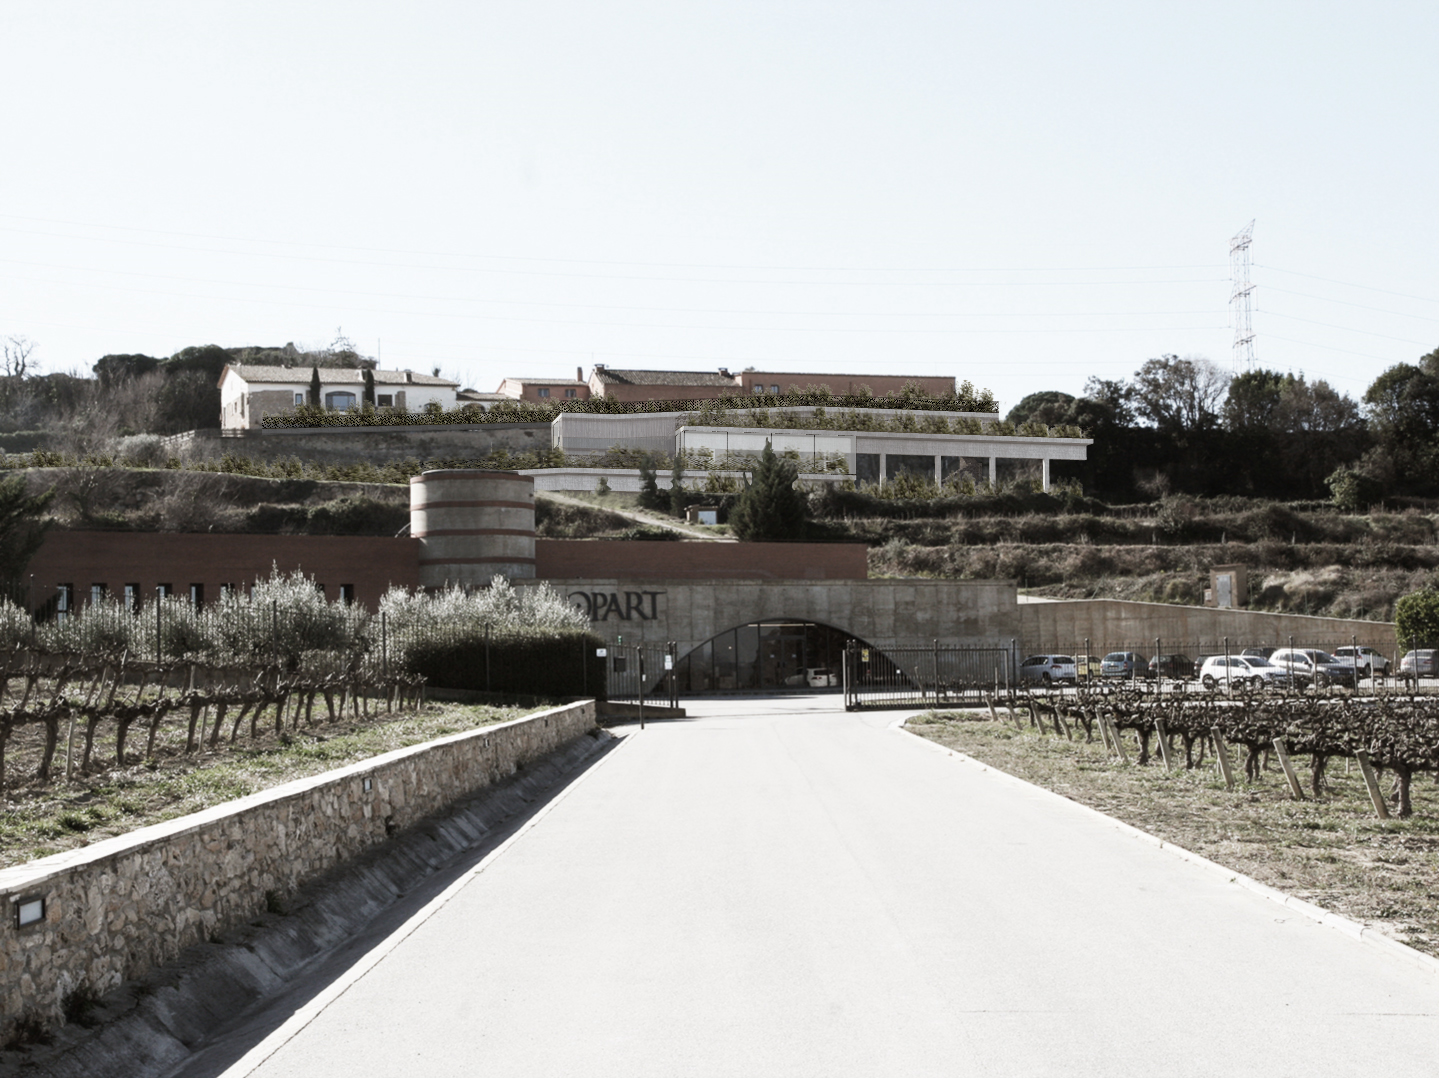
<point>659,559</point>
<point>371,563</point>
<point>838,384</point>
<point>848,384</point>
<point>622,392</point>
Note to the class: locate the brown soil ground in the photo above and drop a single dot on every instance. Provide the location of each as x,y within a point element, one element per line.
<point>1333,851</point>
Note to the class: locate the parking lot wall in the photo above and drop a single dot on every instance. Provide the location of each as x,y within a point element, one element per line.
<point>1111,625</point>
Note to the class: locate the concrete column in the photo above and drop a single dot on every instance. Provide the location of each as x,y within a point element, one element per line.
<point>992,472</point>
<point>1045,473</point>
<point>938,479</point>
<point>882,469</point>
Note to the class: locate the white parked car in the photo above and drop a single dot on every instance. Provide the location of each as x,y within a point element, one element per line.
<point>1238,671</point>
<point>813,676</point>
<point>1367,661</point>
<point>1048,668</point>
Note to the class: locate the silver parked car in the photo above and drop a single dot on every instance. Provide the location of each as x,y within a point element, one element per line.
<point>1422,662</point>
<point>1313,666</point>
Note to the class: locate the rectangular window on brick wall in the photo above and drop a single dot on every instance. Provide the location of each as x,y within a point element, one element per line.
<point>97,593</point>
<point>544,391</point>
<point>132,596</point>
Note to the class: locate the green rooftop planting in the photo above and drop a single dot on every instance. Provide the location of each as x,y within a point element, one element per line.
<point>966,399</point>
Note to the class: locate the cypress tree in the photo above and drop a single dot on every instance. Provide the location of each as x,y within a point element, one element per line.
<point>369,392</point>
<point>650,497</point>
<point>770,508</point>
<point>315,387</point>
<point>677,487</point>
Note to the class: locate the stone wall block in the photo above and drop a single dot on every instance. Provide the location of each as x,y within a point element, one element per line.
<point>122,906</point>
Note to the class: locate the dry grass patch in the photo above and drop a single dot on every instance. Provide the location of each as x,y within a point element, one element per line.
<point>1331,851</point>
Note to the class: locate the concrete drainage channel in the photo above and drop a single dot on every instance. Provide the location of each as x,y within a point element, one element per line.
<point>199,1014</point>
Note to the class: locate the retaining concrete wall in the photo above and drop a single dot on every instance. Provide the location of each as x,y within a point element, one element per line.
<point>376,445</point>
<point>1119,624</point>
<point>122,906</point>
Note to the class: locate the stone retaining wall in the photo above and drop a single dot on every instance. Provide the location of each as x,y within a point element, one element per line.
<point>119,907</point>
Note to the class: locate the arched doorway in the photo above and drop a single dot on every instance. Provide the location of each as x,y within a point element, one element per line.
<point>773,655</point>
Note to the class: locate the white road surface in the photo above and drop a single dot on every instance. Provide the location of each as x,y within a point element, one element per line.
<point>776,887</point>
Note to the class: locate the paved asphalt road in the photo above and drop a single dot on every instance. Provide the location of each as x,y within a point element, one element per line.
<point>776,887</point>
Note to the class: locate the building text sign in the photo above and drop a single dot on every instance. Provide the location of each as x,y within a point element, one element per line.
<point>600,606</point>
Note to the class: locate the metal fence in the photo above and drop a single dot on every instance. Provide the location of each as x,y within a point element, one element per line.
<point>641,673</point>
<point>898,676</point>
<point>1177,660</point>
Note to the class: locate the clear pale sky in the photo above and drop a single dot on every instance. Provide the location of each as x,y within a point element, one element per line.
<point>1020,194</point>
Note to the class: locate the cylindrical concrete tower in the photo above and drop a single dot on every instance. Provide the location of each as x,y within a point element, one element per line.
<point>472,525</point>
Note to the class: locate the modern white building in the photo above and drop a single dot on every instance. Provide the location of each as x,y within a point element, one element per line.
<point>250,392</point>
<point>868,456</point>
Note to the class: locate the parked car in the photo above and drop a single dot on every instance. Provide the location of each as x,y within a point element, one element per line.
<point>1424,663</point>
<point>1173,666</point>
<point>1238,671</point>
<point>813,676</point>
<point>1124,665</point>
<point>1048,668</point>
<point>1087,668</point>
<point>1307,666</point>
<point>1366,661</point>
<point>1264,652</point>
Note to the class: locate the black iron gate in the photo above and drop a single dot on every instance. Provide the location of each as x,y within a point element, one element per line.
<point>919,675</point>
<point>641,673</point>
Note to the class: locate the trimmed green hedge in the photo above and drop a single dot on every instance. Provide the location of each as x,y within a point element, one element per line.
<point>560,665</point>
<point>966,399</point>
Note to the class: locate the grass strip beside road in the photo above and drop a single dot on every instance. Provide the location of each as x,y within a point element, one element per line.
<point>1331,851</point>
<point>39,821</point>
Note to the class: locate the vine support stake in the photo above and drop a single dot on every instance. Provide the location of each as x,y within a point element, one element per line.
<point>1119,746</point>
<point>1371,785</point>
<point>1290,777</point>
<point>1164,748</point>
<point>1222,755</point>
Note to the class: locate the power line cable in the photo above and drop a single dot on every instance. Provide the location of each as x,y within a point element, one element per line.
<point>1350,284</point>
<point>1346,303</point>
<point>1347,329</point>
<point>330,290</point>
<point>588,276</point>
<point>604,262</point>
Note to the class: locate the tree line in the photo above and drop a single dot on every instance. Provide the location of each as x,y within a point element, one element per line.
<point>1183,425</point>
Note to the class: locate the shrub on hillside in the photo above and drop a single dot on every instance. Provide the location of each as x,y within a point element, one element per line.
<point>1417,619</point>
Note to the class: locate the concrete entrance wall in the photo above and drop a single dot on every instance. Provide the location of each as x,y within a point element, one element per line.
<point>886,612</point>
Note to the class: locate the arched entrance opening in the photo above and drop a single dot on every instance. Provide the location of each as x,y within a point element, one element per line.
<point>773,655</point>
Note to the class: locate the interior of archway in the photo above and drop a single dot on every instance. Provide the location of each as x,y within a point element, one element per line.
<point>777,654</point>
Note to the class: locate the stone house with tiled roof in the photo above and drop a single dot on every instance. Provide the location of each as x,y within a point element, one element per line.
<point>250,392</point>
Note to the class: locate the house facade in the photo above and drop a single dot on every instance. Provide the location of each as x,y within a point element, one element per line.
<point>250,392</point>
